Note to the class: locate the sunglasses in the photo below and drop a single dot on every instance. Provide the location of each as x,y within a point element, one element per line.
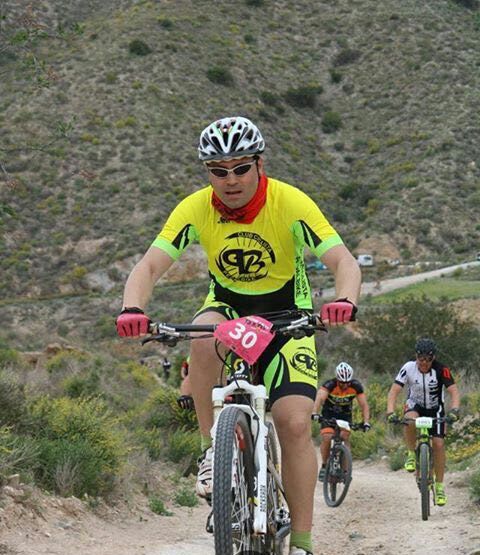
<point>424,358</point>
<point>242,169</point>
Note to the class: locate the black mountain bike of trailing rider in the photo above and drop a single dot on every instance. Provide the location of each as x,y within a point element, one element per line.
<point>249,508</point>
<point>338,469</point>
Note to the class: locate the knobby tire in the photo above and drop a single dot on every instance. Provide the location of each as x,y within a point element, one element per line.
<point>233,485</point>
<point>424,464</point>
<point>335,485</point>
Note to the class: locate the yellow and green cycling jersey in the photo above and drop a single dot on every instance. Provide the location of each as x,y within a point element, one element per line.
<point>255,267</point>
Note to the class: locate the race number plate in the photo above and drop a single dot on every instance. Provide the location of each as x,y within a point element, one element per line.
<point>248,337</point>
<point>423,422</point>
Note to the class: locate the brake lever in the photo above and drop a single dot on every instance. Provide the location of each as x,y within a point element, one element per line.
<point>162,338</point>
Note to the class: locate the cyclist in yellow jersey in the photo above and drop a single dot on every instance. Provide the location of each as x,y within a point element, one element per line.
<point>254,230</point>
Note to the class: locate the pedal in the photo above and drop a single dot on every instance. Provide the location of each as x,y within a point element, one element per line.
<point>209,525</point>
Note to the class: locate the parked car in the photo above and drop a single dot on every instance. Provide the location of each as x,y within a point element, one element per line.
<point>365,260</point>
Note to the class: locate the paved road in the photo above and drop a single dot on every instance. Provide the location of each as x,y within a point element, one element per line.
<point>387,285</point>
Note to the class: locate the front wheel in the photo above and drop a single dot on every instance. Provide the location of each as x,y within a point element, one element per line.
<point>233,485</point>
<point>424,467</point>
<point>338,475</point>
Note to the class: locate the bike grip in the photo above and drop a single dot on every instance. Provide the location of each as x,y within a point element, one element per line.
<point>316,417</point>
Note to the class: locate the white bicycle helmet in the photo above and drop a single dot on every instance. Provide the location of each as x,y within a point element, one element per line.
<point>229,138</point>
<point>344,372</point>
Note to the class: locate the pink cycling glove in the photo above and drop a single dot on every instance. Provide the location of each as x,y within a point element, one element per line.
<point>132,322</point>
<point>340,311</point>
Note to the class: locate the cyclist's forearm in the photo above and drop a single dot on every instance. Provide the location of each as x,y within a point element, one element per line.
<point>392,397</point>
<point>454,397</point>
<point>348,279</point>
<point>144,276</point>
<point>139,287</point>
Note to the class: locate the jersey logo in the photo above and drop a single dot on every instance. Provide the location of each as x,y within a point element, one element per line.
<point>305,362</point>
<point>245,258</point>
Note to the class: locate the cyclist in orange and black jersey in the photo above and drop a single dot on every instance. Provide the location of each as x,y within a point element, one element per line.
<point>336,397</point>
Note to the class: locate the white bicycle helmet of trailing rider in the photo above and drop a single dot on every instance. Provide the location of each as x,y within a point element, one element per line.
<point>344,372</point>
<point>229,138</point>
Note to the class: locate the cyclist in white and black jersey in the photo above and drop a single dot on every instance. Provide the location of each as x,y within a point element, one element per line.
<point>427,380</point>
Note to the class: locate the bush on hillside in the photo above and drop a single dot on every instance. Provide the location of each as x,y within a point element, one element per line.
<point>475,486</point>
<point>139,48</point>
<point>80,447</point>
<point>346,56</point>
<point>220,76</point>
<point>331,122</point>
<point>12,400</point>
<point>303,97</point>
<point>18,454</point>
<point>470,4</point>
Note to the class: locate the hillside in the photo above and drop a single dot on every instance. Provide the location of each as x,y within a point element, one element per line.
<point>368,107</point>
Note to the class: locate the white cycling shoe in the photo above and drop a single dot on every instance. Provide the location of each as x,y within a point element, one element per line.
<point>299,551</point>
<point>204,476</point>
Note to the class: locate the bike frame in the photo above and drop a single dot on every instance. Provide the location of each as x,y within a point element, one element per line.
<point>422,425</point>
<point>256,411</point>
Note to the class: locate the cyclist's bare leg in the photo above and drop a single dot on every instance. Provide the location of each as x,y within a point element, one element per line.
<point>325,447</point>
<point>346,437</point>
<point>291,415</point>
<point>409,432</point>
<point>204,371</point>
<point>438,444</point>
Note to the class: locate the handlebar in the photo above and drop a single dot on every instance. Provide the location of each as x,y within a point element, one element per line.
<point>333,422</point>
<point>436,419</point>
<point>297,324</point>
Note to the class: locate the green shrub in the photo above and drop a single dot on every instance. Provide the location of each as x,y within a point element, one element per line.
<point>255,3</point>
<point>331,122</point>
<point>475,486</point>
<point>157,506</point>
<point>12,401</point>
<point>184,447</point>
<point>8,356</point>
<point>470,4</point>
<point>186,497</point>
<point>82,386</point>
<point>139,48</point>
<point>220,76</point>
<point>18,454</point>
<point>335,75</point>
<point>397,458</point>
<point>162,411</point>
<point>303,97</point>
<point>165,22</point>
<point>366,445</point>
<point>81,450</point>
<point>346,56</point>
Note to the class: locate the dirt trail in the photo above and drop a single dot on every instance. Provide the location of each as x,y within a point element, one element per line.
<point>381,515</point>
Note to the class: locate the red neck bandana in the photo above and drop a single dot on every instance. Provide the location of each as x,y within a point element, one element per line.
<point>245,214</point>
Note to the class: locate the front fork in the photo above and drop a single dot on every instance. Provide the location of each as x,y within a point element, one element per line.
<point>259,432</point>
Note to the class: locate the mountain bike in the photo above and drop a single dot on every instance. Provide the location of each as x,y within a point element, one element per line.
<point>249,508</point>
<point>424,473</point>
<point>338,469</point>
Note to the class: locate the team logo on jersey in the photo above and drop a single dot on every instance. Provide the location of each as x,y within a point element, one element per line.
<point>305,362</point>
<point>246,257</point>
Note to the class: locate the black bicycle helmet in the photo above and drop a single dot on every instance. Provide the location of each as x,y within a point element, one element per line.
<point>426,347</point>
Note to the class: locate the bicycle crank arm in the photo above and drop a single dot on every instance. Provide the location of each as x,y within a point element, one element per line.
<point>282,533</point>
